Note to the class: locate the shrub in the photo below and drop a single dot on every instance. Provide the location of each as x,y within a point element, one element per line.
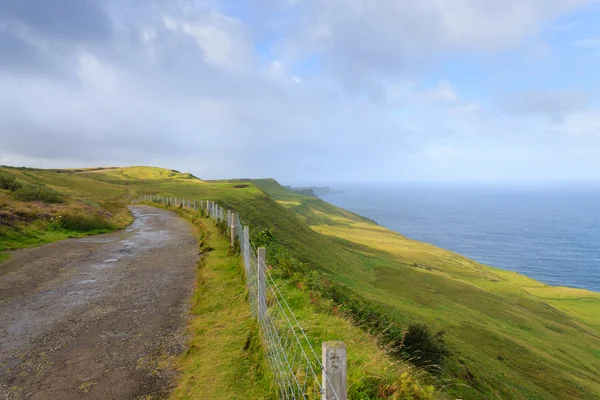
<point>37,193</point>
<point>9,182</point>
<point>84,223</point>
<point>425,347</point>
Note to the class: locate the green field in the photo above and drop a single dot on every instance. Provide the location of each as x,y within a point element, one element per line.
<point>509,336</point>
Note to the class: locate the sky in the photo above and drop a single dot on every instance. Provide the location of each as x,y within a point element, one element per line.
<point>305,91</point>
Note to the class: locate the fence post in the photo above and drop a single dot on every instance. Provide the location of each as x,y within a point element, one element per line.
<point>229,218</point>
<point>233,229</point>
<point>262,281</point>
<point>334,371</point>
<point>247,250</point>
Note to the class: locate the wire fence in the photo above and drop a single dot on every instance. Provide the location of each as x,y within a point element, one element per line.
<point>296,368</point>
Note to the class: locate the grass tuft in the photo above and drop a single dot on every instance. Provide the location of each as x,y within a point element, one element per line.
<point>37,193</point>
<point>9,182</point>
<point>83,222</point>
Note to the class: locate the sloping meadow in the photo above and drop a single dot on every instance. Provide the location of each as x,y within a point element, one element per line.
<point>476,331</point>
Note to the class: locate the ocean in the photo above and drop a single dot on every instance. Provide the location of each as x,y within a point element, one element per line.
<point>548,232</point>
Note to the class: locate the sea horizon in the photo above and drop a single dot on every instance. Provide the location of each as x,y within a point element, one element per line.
<point>547,231</point>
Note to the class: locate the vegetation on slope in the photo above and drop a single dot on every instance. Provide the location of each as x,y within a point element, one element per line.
<point>39,206</point>
<point>224,359</point>
<point>511,337</point>
<point>508,336</point>
<point>225,349</point>
<point>373,373</point>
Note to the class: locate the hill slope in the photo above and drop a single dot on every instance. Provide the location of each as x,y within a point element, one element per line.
<point>510,336</point>
<point>372,372</point>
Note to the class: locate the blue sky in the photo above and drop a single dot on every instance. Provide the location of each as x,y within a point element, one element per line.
<point>305,91</point>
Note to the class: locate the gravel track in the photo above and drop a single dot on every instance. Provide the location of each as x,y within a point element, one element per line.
<point>101,317</point>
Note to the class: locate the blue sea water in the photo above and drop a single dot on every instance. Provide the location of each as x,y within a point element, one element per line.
<point>548,232</point>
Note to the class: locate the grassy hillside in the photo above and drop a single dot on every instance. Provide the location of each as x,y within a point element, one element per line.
<point>40,206</point>
<point>373,373</point>
<point>509,336</point>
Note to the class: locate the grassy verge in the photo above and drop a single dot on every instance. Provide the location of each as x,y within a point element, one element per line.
<point>224,359</point>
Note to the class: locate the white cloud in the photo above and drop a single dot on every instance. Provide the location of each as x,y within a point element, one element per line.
<point>362,40</point>
<point>184,85</point>
<point>92,71</point>
<point>148,35</point>
<point>170,23</point>
<point>443,93</point>
<point>585,123</point>
<point>276,69</point>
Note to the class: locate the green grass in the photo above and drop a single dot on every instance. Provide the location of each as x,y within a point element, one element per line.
<point>224,359</point>
<point>510,336</point>
<point>43,206</point>
<point>37,193</point>
<point>222,326</point>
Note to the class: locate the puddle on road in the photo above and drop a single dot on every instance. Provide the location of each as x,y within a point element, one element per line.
<point>95,240</point>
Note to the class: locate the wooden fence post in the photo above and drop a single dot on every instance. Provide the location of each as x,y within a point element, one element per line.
<point>247,250</point>
<point>334,371</point>
<point>233,228</point>
<point>262,281</point>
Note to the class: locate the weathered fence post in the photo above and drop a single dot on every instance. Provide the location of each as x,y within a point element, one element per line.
<point>334,371</point>
<point>262,281</point>
<point>247,250</point>
<point>233,229</point>
<point>229,218</point>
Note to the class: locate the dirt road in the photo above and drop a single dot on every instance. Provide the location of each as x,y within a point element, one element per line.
<point>100,317</point>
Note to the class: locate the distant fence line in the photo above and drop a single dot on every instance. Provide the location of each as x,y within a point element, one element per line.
<point>292,359</point>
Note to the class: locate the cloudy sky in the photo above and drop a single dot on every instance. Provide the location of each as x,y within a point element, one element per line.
<point>305,90</point>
